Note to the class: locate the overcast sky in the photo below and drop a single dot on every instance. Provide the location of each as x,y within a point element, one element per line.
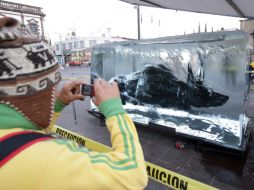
<point>89,17</point>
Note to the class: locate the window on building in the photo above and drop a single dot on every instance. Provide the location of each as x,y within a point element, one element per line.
<point>75,44</point>
<point>81,43</point>
<point>57,47</point>
<point>69,45</point>
<point>92,43</point>
<point>33,26</point>
<point>63,47</point>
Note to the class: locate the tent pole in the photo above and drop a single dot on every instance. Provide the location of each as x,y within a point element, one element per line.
<point>138,21</point>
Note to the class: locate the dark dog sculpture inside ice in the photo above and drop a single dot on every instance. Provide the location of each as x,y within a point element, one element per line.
<point>158,85</point>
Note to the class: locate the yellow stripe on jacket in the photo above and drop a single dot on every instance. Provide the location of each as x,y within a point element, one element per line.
<point>63,164</point>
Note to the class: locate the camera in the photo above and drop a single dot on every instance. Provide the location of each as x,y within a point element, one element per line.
<point>87,90</point>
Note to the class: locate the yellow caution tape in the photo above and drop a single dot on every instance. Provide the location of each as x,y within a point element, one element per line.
<point>157,173</point>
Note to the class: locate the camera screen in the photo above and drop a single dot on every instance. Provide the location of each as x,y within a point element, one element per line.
<point>87,90</point>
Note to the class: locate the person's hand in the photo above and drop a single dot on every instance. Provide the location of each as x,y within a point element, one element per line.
<point>70,92</point>
<point>104,91</point>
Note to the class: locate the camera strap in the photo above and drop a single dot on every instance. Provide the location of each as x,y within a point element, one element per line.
<point>14,143</point>
<point>74,113</point>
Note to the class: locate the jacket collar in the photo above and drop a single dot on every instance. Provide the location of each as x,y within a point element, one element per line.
<point>10,118</point>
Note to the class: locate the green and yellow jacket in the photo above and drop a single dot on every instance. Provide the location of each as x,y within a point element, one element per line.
<point>60,164</point>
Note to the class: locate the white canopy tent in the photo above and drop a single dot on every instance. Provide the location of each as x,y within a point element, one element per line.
<point>234,8</point>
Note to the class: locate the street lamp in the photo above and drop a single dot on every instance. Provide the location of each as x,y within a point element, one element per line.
<point>62,62</point>
<point>61,49</point>
<point>77,47</point>
<point>73,33</point>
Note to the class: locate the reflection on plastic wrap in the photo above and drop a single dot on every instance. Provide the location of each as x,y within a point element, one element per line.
<point>211,127</point>
<point>158,85</point>
<point>196,84</point>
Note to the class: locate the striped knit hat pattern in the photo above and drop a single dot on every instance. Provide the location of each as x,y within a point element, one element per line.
<point>29,72</point>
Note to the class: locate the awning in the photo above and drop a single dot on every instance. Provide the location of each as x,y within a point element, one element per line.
<point>235,8</point>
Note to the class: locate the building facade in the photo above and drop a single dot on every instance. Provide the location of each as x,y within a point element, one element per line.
<point>79,48</point>
<point>30,16</point>
<point>248,26</point>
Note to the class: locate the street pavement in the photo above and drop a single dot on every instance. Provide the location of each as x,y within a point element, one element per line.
<point>224,171</point>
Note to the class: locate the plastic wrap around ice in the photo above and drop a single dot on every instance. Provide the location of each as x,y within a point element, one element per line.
<point>158,86</point>
<point>196,84</point>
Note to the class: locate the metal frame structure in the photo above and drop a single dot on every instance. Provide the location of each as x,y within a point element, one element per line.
<point>235,8</point>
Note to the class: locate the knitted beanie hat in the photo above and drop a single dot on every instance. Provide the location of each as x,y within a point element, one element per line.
<point>28,73</point>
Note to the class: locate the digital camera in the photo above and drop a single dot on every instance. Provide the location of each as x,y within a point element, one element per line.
<point>87,90</point>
